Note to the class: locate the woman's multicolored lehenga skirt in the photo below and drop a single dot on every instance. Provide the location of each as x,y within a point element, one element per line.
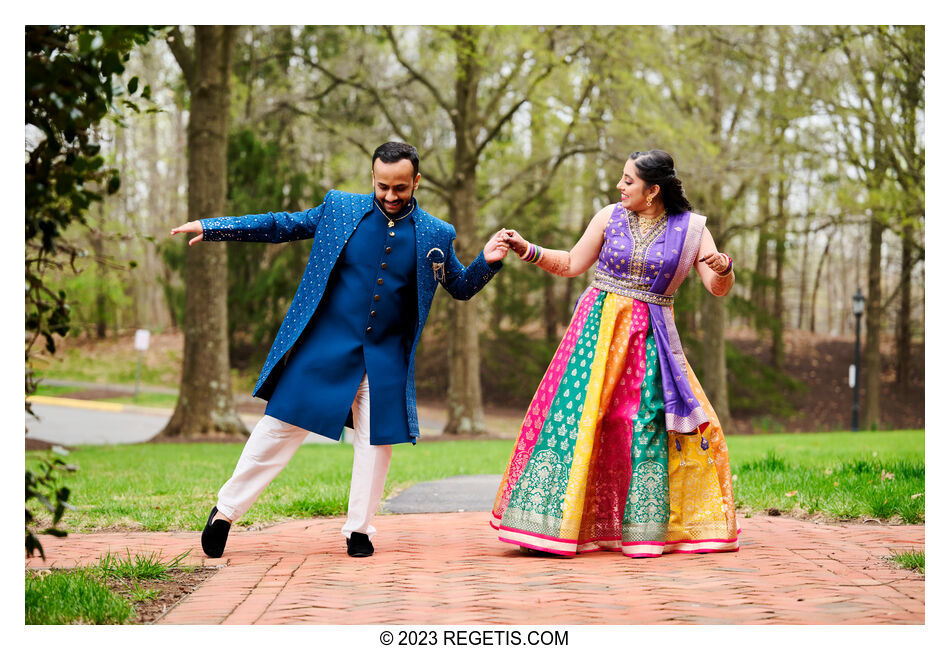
<point>594,467</point>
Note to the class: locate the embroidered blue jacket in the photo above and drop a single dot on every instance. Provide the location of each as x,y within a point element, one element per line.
<point>330,225</point>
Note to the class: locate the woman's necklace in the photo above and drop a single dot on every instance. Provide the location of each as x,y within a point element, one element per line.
<point>644,221</point>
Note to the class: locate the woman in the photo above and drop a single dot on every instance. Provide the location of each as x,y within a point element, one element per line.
<point>620,449</point>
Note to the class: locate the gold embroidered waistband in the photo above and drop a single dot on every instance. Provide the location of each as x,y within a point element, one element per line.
<point>630,292</point>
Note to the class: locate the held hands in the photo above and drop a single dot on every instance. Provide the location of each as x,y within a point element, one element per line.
<point>497,247</point>
<point>191,226</point>
<point>515,242</point>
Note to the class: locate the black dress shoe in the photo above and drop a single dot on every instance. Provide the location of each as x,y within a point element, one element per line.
<point>358,545</point>
<point>215,535</point>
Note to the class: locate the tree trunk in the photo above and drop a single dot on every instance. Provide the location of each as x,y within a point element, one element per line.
<point>715,377</point>
<point>817,285</point>
<point>466,416</point>
<point>96,235</point>
<point>872,349</point>
<point>761,256</point>
<point>803,281</point>
<point>465,388</point>
<point>777,322</point>
<point>904,312</point>
<point>205,402</point>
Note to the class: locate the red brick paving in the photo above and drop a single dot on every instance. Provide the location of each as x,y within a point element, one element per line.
<point>450,569</point>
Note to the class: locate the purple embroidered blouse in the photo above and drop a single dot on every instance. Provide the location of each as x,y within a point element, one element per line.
<point>650,267</point>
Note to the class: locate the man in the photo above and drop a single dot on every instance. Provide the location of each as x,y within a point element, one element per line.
<point>344,354</point>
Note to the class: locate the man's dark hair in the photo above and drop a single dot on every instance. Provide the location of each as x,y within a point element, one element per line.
<point>395,151</point>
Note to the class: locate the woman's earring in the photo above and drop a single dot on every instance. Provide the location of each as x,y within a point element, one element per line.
<point>649,201</point>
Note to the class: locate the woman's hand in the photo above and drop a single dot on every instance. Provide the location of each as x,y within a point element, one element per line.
<point>191,226</point>
<point>718,262</point>
<point>496,248</point>
<point>711,264</point>
<point>516,242</point>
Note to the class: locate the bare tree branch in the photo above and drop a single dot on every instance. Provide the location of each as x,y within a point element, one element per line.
<point>564,155</point>
<point>543,187</point>
<point>183,54</point>
<point>504,119</point>
<point>373,92</point>
<point>905,278</point>
<point>413,72</point>
<point>491,106</point>
<point>324,125</point>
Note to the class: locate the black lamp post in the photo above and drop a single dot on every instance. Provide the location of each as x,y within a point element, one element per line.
<point>858,304</point>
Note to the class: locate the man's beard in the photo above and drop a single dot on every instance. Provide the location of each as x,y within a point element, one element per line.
<point>402,205</point>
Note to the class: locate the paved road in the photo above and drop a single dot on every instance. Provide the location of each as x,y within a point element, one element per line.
<point>66,425</point>
<point>455,494</point>
<point>77,422</point>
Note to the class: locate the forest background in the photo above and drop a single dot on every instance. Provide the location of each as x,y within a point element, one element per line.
<point>804,146</point>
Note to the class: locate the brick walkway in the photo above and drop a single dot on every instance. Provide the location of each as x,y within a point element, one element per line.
<point>450,569</point>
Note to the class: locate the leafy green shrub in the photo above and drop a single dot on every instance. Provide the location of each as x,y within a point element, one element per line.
<point>42,487</point>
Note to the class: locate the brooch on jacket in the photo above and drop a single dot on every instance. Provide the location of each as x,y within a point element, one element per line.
<point>438,263</point>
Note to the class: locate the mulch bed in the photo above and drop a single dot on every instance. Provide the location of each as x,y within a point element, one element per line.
<point>38,445</point>
<point>179,584</point>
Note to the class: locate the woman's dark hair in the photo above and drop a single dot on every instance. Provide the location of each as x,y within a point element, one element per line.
<point>656,168</point>
<point>395,151</point>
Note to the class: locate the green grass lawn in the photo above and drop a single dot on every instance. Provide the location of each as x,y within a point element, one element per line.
<point>88,365</point>
<point>113,364</point>
<point>55,391</point>
<point>844,475</point>
<point>73,597</point>
<point>172,486</point>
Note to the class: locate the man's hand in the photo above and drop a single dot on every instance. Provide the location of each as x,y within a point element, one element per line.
<point>516,242</point>
<point>497,247</point>
<point>191,226</point>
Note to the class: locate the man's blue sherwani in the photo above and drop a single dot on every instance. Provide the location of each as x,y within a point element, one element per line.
<point>346,241</point>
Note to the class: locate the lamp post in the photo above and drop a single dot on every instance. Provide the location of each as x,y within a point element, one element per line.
<point>857,301</point>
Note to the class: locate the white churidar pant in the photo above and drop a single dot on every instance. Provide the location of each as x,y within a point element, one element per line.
<point>272,444</point>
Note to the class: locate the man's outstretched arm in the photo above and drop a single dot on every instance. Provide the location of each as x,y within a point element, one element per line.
<point>272,227</point>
